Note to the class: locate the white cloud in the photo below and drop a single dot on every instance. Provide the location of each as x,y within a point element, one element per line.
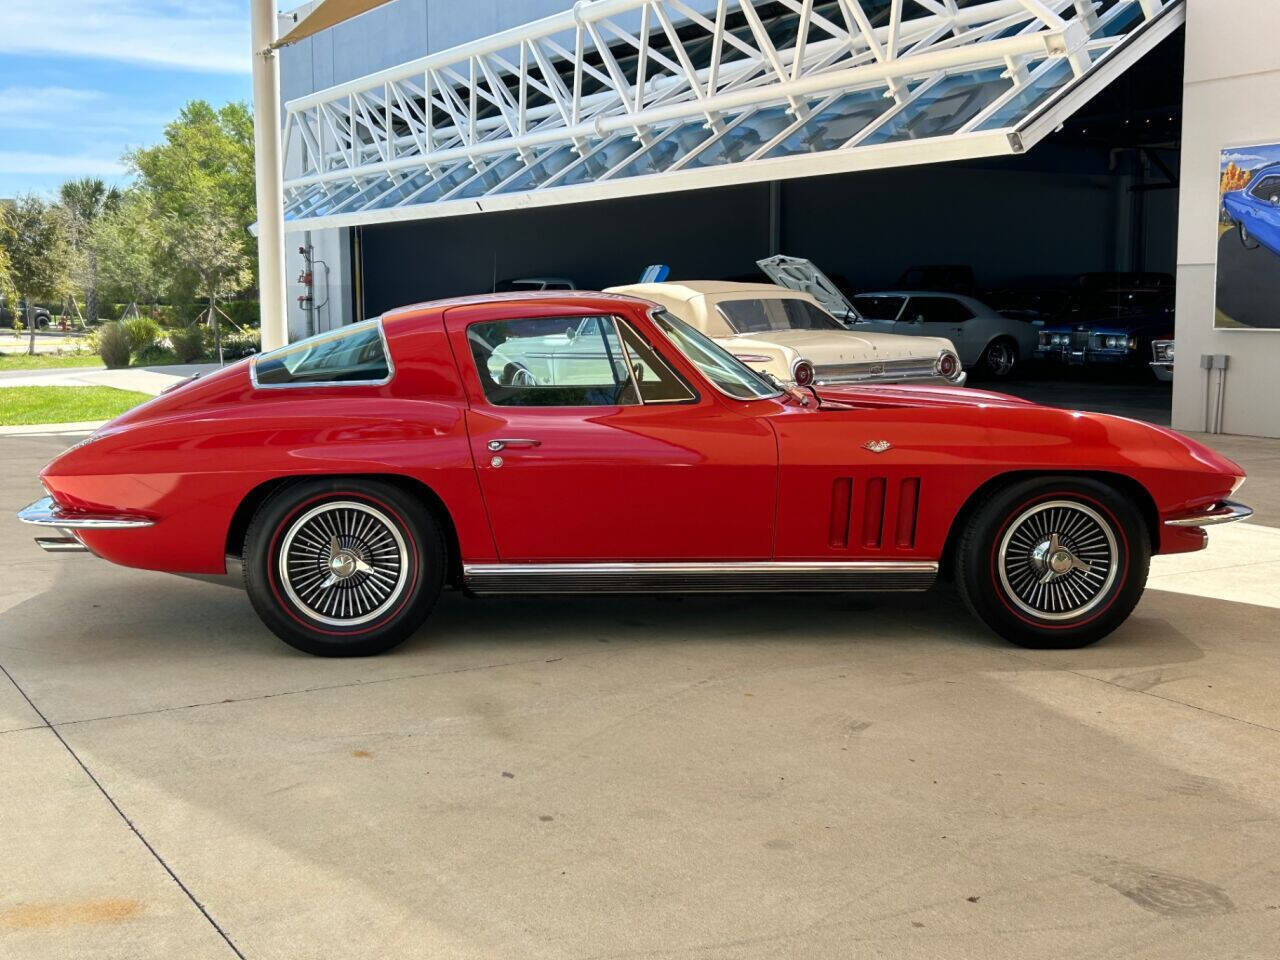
<point>211,37</point>
<point>88,112</point>
<point>16,162</point>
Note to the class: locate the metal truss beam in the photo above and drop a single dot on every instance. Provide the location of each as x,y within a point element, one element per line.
<point>577,106</point>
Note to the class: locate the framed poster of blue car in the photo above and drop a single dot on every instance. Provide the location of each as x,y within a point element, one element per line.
<point>1249,239</point>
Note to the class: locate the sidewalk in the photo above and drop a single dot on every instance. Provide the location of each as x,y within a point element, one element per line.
<point>150,380</point>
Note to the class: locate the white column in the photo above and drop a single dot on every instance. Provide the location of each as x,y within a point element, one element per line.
<point>270,177</point>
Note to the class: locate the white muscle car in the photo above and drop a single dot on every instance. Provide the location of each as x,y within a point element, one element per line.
<point>788,335</point>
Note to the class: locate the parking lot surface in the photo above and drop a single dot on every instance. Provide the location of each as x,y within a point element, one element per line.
<point>639,778</point>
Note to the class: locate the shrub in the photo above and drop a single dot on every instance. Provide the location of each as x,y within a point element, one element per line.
<point>142,332</point>
<point>112,342</point>
<point>188,344</point>
<point>153,355</point>
<point>243,313</point>
<point>237,345</point>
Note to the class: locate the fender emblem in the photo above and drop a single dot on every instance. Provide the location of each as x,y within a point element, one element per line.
<point>878,446</point>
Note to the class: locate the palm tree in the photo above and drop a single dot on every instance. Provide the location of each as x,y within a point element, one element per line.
<point>85,201</point>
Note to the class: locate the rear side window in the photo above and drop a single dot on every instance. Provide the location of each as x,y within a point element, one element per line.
<point>356,354</point>
<point>1267,189</point>
<point>776,313</point>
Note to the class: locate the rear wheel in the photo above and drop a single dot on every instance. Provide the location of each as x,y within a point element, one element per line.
<point>1246,238</point>
<point>1000,359</point>
<point>1053,562</point>
<point>343,568</point>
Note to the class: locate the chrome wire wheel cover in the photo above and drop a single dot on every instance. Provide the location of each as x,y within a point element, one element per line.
<point>1058,560</point>
<point>343,563</point>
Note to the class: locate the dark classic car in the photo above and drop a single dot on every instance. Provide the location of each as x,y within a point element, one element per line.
<point>1111,320</point>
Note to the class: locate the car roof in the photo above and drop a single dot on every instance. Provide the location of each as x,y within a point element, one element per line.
<point>692,289</point>
<point>586,299</point>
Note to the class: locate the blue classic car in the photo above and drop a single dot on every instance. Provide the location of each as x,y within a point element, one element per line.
<point>1112,320</point>
<point>1255,210</point>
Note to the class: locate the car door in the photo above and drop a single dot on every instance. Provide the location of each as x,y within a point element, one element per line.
<point>621,459</point>
<point>941,316</point>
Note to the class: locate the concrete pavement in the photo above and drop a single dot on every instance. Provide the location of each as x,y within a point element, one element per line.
<point>762,777</point>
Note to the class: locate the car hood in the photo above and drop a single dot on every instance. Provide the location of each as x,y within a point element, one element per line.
<point>826,347</point>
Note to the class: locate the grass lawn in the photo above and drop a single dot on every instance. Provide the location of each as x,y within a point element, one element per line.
<point>46,361</point>
<point>27,405</point>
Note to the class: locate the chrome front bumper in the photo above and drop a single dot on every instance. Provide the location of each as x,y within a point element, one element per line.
<point>1224,511</point>
<point>46,513</point>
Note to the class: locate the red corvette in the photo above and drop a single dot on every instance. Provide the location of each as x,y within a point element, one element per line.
<point>582,443</point>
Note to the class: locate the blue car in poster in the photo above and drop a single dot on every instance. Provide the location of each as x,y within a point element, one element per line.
<point>1255,210</point>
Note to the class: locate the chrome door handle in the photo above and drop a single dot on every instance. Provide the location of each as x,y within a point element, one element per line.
<point>496,445</point>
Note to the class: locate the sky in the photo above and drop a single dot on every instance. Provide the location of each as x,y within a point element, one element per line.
<point>1249,158</point>
<point>84,81</point>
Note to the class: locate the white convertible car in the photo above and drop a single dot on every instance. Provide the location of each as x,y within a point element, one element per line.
<point>788,335</point>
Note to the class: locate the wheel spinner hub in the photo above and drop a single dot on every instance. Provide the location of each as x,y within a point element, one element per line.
<point>343,563</point>
<point>1058,560</point>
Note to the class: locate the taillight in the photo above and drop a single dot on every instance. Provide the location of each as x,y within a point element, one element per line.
<point>802,373</point>
<point>947,366</point>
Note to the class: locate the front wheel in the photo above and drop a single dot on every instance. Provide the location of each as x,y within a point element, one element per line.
<point>1053,563</point>
<point>343,568</point>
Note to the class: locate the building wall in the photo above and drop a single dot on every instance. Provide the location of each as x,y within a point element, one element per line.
<point>1232,88</point>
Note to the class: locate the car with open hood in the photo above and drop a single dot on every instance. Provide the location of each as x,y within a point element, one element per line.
<point>350,478</point>
<point>790,335</point>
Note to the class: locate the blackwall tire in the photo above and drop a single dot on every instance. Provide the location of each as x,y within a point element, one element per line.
<point>999,360</point>
<point>343,568</point>
<point>1247,240</point>
<point>1053,562</point>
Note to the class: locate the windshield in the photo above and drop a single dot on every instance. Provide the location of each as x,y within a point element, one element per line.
<point>725,371</point>
<point>776,313</point>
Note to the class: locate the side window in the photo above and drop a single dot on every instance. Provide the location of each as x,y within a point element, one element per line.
<point>522,364</point>
<point>937,310</point>
<point>1268,189</point>
<point>746,316</point>
<point>352,354</point>
<point>878,308</point>
<point>657,382</point>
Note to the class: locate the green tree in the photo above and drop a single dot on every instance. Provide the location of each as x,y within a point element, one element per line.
<point>201,182</point>
<point>85,202</point>
<point>204,243</point>
<point>39,254</point>
<point>128,243</point>
<point>8,293</point>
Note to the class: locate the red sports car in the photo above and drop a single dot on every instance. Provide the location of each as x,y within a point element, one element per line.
<point>584,443</point>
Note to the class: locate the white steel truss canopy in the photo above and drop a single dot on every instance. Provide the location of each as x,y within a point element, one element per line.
<point>620,98</point>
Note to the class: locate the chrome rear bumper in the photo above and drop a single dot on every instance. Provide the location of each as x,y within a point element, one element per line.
<point>1224,511</point>
<point>46,513</point>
